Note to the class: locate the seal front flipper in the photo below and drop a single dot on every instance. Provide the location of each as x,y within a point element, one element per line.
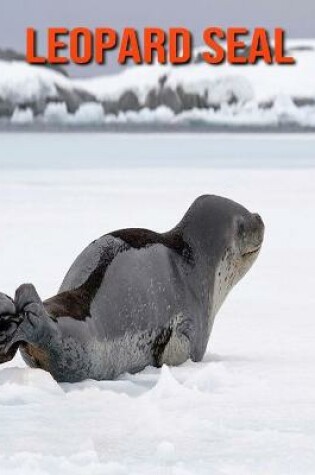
<point>9,323</point>
<point>177,347</point>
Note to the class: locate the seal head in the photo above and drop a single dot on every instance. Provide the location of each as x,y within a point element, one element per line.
<point>228,239</point>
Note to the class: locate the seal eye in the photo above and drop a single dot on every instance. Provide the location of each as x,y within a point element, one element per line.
<point>241,229</point>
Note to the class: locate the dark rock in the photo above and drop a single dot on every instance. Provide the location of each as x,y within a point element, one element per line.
<point>198,58</point>
<point>38,107</point>
<point>6,108</point>
<point>73,98</point>
<point>128,101</point>
<point>162,80</point>
<point>165,96</point>
<point>170,99</point>
<point>266,105</point>
<point>110,107</point>
<point>303,101</point>
<point>152,100</point>
<point>190,100</point>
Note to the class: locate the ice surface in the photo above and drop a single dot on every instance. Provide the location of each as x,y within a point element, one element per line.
<point>248,407</point>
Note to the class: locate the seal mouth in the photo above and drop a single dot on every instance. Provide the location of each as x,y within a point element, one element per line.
<point>252,251</point>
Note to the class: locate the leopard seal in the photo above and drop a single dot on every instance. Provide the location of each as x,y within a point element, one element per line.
<point>135,297</point>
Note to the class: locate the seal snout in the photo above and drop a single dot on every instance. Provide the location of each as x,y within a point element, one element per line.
<point>260,228</point>
<point>259,220</point>
<point>254,236</point>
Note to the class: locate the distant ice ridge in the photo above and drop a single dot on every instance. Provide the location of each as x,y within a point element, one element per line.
<point>193,94</point>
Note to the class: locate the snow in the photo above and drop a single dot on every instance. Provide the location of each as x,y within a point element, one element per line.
<point>22,116</point>
<point>257,90</point>
<point>268,81</point>
<point>88,113</point>
<point>284,111</point>
<point>139,79</point>
<point>262,82</point>
<point>22,83</point>
<point>250,115</point>
<point>248,407</point>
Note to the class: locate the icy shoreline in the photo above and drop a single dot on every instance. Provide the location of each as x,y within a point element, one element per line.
<point>196,95</point>
<point>134,128</point>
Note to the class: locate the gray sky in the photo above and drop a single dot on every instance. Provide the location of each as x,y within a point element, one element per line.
<point>296,16</point>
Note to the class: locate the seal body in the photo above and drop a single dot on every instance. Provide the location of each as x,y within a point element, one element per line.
<point>135,297</point>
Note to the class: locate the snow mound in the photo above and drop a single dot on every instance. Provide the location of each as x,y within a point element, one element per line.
<point>197,93</point>
<point>167,386</point>
<point>19,386</point>
<point>80,464</point>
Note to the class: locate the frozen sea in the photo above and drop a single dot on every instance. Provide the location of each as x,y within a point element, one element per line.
<point>248,408</point>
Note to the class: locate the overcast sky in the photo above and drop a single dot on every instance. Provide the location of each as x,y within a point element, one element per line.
<point>296,16</point>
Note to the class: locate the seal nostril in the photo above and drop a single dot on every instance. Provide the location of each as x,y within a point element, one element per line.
<point>259,227</point>
<point>259,220</point>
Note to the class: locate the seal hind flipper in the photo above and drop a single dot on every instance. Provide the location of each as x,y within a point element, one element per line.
<point>35,328</point>
<point>24,295</point>
<point>9,323</point>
